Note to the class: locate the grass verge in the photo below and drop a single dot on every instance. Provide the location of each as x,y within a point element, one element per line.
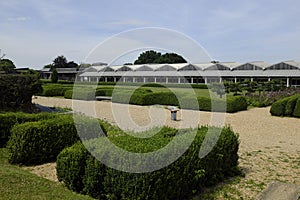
<point>17,183</point>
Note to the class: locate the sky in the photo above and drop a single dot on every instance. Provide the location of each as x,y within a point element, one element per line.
<point>34,32</point>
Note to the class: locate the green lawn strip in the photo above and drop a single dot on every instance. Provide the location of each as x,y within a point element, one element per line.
<point>17,183</point>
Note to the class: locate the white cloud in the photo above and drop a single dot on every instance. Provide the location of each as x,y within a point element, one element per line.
<point>19,19</point>
<point>130,22</point>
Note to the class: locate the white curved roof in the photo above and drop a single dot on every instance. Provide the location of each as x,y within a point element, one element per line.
<point>285,65</point>
<point>255,65</point>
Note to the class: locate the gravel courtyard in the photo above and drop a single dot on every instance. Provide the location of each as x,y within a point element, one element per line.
<point>269,148</point>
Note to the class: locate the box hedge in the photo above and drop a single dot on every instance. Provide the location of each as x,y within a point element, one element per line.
<point>231,105</point>
<point>179,180</point>
<point>9,119</point>
<point>287,106</point>
<point>50,90</point>
<point>37,142</point>
<point>40,142</point>
<point>80,94</point>
<point>142,96</point>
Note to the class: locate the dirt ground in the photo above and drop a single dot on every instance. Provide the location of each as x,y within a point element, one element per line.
<point>269,148</point>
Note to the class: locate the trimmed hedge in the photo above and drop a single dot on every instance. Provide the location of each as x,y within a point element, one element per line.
<point>8,120</point>
<point>171,85</point>
<point>80,94</point>
<point>40,142</point>
<point>50,90</point>
<point>289,106</point>
<point>231,105</point>
<point>144,97</point>
<point>181,179</point>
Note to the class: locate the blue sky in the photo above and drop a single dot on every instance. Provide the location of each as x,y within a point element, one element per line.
<point>34,32</point>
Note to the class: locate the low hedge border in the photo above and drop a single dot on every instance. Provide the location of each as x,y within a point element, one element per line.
<point>180,180</point>
<point>142,97</point>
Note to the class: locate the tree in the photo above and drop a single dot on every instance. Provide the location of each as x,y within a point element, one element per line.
<point>49,66</point>
<point>151,56</point>
<point>147,57</point>
<point>60,62</point>
<point>170,58</point>
<point>249,86</point>
<point>7,66</point>
<point>72,64</point>
<point>54,76</point>
<point>235,88</point>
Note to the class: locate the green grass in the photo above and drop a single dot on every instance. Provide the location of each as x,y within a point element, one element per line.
<point>17,183</point>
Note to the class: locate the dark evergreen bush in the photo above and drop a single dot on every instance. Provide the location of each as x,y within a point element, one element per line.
<point>16,91</point>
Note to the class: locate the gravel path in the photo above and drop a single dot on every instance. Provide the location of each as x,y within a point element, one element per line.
<point>269,149</point>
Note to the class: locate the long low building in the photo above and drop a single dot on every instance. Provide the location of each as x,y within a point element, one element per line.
<point>287,71</point>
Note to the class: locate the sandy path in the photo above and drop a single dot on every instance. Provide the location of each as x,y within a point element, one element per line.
<point>269,149</point>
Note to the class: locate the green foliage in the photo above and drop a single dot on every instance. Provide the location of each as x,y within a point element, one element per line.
<point>290,105</point>
<point>8,120</point>
<point>278,107</point>
<point>287,106</point>
<point>231,104</point>
<point>71,162</point>
<point>147,57</point>
<point>7,66</point>
<point>296,112</point>
<point>16,91</point>
<point>60,62</point>
<point>80,94</point>
<point>40,142</point>
<point>156,57</point>
<point>51,90</point>
<point>54,76</point>
<point>104,91</point>
<point>235,104</point>
<point>178,180</point>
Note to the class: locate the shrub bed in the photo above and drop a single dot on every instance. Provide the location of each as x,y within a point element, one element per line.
<point>288,106</point>
<point>179,180</point>
<point>9,119</point>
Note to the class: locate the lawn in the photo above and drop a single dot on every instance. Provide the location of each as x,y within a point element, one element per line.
<point>17,183</point>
